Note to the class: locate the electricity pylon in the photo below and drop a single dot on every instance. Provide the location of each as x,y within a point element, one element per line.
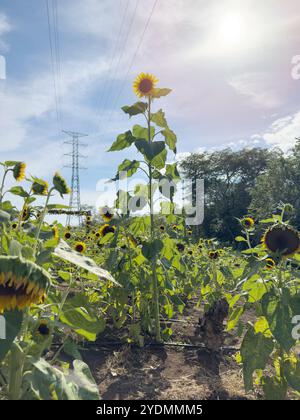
<point>75,203</point>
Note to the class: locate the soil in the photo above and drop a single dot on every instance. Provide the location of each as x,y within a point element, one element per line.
<point>168,372</point>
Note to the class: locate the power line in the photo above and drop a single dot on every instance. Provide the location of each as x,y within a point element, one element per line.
<point>133,59</point>
<point>123,48</point>
<point>58,117</point>
<point>107,82</point>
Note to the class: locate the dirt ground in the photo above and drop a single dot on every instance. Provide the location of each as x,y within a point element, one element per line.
<point>168,372</point>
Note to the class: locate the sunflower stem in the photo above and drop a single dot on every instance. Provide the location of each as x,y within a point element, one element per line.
<point>37,235</point>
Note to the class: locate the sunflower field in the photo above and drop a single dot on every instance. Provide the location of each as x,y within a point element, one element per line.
<point>125,277</point>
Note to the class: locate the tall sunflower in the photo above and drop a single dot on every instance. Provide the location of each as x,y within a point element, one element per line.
<point>144,84</point>
<point>281,239</point>
<point>105,229</point>
<point>80,247</point>
<point>19,171</point>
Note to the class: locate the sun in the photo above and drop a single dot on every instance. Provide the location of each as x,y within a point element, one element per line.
<point>232,28</point>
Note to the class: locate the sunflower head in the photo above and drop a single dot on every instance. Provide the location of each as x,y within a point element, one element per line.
<point>19,171</point>
<point>175,227</point>
<point>190,252</point>
<point>25,213</point>
<point>106,214</point>
<point>180,247</point>
<point>213,255</point>
<point>247,222</point>
<point>270,263</point>
<point>281,239</point>
<point>14,225</point>
<point>162,228</point>
<point>190,232</point>
<point>105,229</point>
<point>67,235</point>
<point>43,329</point>
<point>144,85</point>
<point>80,247</point>
<point>22,283</point>
<point>60,184</point>
<point>40,187</point>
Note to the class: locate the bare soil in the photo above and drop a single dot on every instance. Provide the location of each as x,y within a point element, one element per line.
<point>168,372</point>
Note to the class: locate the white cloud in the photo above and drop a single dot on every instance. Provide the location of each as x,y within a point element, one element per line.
<point>259,88</point>
<point>283,132</point>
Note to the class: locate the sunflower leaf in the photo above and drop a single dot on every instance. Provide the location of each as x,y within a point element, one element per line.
<point>123,140</point>
<point>158,93</point>
<point>159,119</point>
<point>150,150</point>
<point>135,109</point>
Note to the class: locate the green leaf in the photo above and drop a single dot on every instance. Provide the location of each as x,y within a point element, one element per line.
<point>150,250</point>
<point>279,314</point>
<point>135,109</point>
<point>255,352</point>
<point>158,93</point>
<point>291,370</point>
<point>274,388</point>
<point>170,138</point>
<point>142,132</point>
<point>128,166</point>
<point>18,190</point>
<point>234,317</point>
<point>172,171</point>
<point>15,248</point>
<point>150,150</point>
<point>160,160</point>
<point>123,140</point>
<point>159,119</point>
<point>240,239</point>
<point>82,322</point>
<point>10,323</point>
<point>4,216</point>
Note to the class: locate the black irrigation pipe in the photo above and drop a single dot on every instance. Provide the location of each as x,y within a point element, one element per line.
<point>227,349</point>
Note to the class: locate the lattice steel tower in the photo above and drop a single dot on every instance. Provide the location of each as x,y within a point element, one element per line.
<point>74,203</point>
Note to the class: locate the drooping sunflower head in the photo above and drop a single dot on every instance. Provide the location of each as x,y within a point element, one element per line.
<point>43,329</point>
<point>106,214</point>
<point>80,247</point>
<point>281,239</point>
<point>180,247</point>
<point>105,229</point>
<point>60,184</point>
<point>213,255</point>
<point>40,187</point>
<point>144,84</point>
<point>270,263</point>
<point>22,283</point>
<point>247,222</point>
<point>25,213</point>
<point>19,171</point>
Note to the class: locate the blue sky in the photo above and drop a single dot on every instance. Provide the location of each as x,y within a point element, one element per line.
<point>229,64</point>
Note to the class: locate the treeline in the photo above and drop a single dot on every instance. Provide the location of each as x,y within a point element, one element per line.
<point>249,182</point>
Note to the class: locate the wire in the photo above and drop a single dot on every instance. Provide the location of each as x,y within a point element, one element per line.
<point>133,59</point>
<point>108,81</point>
<point>58,117</point>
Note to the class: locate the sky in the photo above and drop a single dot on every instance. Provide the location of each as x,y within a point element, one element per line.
<point>233,67</point>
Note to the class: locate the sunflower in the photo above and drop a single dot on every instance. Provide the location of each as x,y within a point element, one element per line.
<point>43,328</point>
<point>180,247</point>
<point>40,187</point>
<point>19,171</point>
<point>144,84</point>
<point>270,263</point>
<point>162,228</point>
<point>213,255</point>
<point>106,214</point>
<point>14,225</point>
<point>105,229</point>
<point>67,235</point>
<point>80,247</point>
<point>190,252</point>
<point>25,213</point>
<point>22,283</point>
<point>60,184</point>
<point>174,227</point>
<point>97,235</point>
<point>247,222</point>
<point>281,239</point>
<point>190,232</point>
<point>88,219</point>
